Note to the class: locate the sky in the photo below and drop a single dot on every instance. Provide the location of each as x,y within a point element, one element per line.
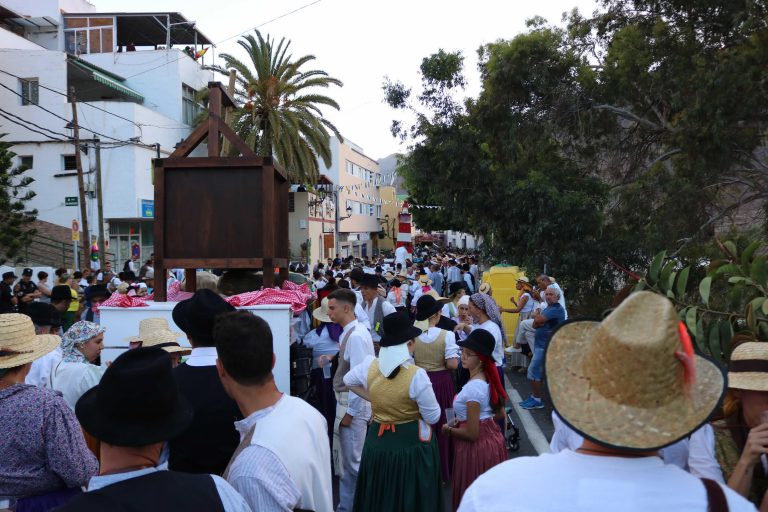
<point>360,42</point>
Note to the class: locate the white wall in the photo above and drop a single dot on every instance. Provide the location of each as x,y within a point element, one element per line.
<point>50,8</point>
<point>11,41</point>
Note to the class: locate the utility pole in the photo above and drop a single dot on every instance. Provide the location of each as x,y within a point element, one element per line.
<point>80,180</point>
<point>100,204</point>
<point>228,115</point>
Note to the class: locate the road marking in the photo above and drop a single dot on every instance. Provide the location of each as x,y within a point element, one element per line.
<point>529,426</point>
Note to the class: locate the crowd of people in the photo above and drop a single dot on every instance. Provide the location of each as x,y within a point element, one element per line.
<point>409,402</point>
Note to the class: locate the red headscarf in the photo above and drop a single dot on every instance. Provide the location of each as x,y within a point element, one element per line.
<point>498,394</point>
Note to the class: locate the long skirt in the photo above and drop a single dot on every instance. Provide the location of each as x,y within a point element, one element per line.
<point>471,459</point>
<point>442,384</point>
<point>400,470</point>
<point>325,398</point>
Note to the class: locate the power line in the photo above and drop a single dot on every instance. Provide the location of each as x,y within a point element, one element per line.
<point>30,129</point>
<point>33,124</point>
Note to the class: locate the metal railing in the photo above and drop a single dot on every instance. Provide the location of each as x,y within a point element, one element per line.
<point>46,251</point>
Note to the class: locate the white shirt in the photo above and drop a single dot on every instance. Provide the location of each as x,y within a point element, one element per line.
<point>453,274</point>
<point>321,344</point>
<point>420,389</point>
<point>392,298</point>
<point>401,254</point>
<point>587,483</point>
<point>451,348</point>
<point>468,280</point>
<point>74,379</point>
<point>259,475</point>
<point>230,499</point>
<point>498,349</point>
<point>561,300</point>
<point>695,454</point>
<point>477,391</point>
<point>359,346</point>
<point>202,356</point>
<point>386,309</point>
<point>450,310</point>
<point>40,373</point>
<point>362,316</point>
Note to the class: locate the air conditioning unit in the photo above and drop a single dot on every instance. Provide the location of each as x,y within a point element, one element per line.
<point>302,223</point>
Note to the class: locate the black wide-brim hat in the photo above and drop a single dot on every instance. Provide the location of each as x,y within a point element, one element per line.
<point>480,341</point>
<point>137,403</point>
<point>43,313</point>
<point>398,329</point>
<point>455,286</point>
<point>196,316</point>
<point>368,281</point>
<point>427,306</point>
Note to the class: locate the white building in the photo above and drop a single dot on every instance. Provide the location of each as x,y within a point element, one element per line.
<point>135,98</point>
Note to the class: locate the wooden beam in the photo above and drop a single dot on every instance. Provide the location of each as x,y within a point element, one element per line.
<point>227,100</point>
<point>159,232</point>
<point>212,161</point>
<point>214,119</point>
<point>197,136</point>
<point>230,135</point>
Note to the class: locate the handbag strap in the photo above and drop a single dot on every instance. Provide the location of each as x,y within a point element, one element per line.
<point>715,496</point>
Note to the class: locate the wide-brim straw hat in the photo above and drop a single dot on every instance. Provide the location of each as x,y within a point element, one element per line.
<point>619,383</point>
<point>484,288</point>
<point>18,342</point>
<point>425,280</point>
<point>437,297</point>
<point>748,368</point>
<point>321,314</point>
<point>166,340</point>
<point>149,325</point>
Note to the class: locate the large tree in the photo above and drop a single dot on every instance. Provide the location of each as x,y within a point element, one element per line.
<point>639,128</point>
<point>279,112</point>
<point>15,219</point>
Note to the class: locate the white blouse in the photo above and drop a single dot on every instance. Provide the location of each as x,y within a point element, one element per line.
<point>451,348</point>
<point>476,390</point>
<point>74,379</point>
<point>420,390</point>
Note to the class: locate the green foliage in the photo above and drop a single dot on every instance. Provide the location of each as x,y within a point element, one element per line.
<point>15,219</point>
<point>278,113</point>
<point>738,309</point>
<point>632,131</point>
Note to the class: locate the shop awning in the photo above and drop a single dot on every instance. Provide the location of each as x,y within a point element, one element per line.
<point>112,81</point>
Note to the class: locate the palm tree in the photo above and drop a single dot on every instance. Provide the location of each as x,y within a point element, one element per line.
<point>277,114</point>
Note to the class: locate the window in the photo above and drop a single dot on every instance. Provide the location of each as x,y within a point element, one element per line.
<point>70,163</point>
<point>191,108</point>
<point>30,91</point>
<point>350,168</point>
<point>370,210</point>
<point>25,161</point>
<point>291,202</point>
<point>378,211</point>
<point>88,35</point>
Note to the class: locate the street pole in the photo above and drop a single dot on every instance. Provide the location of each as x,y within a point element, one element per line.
<point>100,204</point>
<point>80,180</point>
<point>336,248</point>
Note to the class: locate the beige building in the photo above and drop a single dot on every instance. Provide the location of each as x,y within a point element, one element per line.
<point>311,222</point>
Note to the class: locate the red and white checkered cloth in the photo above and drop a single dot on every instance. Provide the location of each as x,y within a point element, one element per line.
<point>293,294</point>
<point>120,300</point>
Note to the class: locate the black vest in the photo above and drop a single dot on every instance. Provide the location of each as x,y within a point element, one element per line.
<point>207,445</point>
<point>161,491</point>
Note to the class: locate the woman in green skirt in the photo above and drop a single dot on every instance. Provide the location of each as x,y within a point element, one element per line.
<point>400,467</point>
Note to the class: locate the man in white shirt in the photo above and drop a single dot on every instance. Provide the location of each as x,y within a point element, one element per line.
<point>617,403</point>
<point>376,307</point>
<point>285,464</point>
<point>453,274</point>
<point>401,255</point>
<point>353,412</point>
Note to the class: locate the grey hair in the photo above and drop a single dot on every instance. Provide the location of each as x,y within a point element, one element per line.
<point>555,290</point>
<point>545,276</point>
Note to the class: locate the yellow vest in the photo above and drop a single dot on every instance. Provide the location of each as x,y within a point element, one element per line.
<point>430,356</point>
<point>390,398</point>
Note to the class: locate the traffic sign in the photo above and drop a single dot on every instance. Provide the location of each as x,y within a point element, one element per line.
<point>70,201</point>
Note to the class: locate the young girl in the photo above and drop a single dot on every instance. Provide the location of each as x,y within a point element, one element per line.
<point>478,443</point>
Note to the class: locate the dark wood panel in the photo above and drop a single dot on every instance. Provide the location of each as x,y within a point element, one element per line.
<point>214,161</point>
<point>214,262</point>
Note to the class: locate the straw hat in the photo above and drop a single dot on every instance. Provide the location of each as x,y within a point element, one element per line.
<point>149,325</point>
<point>424,280</point>
<point>18,342</point>
<point>321,314</point>
<point>165,339</point>
<point>748,368</point>
<point>619,382</point>
<point>484,288</point>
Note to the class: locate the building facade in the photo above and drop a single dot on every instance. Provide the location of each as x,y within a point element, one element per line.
<point>135,77</point>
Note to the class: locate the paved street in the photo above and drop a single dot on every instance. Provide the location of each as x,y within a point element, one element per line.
<point>535,425</point>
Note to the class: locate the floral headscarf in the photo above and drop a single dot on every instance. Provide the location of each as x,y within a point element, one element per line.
<point>487,304</point>
<point>77,335</point>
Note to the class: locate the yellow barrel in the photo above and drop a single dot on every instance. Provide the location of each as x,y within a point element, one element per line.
<point>503,279</point>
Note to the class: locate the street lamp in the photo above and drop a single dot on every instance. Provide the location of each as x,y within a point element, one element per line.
<point>349,213</point>
<point>385,230</point>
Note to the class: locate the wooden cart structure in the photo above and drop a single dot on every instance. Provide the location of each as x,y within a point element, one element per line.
<point>219,211</point>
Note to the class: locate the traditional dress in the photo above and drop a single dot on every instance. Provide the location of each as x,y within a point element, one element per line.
<point>471,459</point>
<point>430,353</point>
<point>400,468</point>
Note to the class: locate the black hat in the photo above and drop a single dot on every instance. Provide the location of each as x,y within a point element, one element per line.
<point>96,290</point>
<point>379,269</point>
<point>427,306</point>
<point>398,329</point>
<point>479,340</point>
<point>8,275</point>
<point>137,401</point>
<point>43,313</point>
<point>395,282</point>
<point>368,281</point>
<point>26,272</point>
<point>61,292</point>
<point>455,286</point>
<point>196,316</point>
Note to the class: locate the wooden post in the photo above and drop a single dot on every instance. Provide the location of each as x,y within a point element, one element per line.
<point>100,205</point>
<point>226,145</point>
<point>80,179</point>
